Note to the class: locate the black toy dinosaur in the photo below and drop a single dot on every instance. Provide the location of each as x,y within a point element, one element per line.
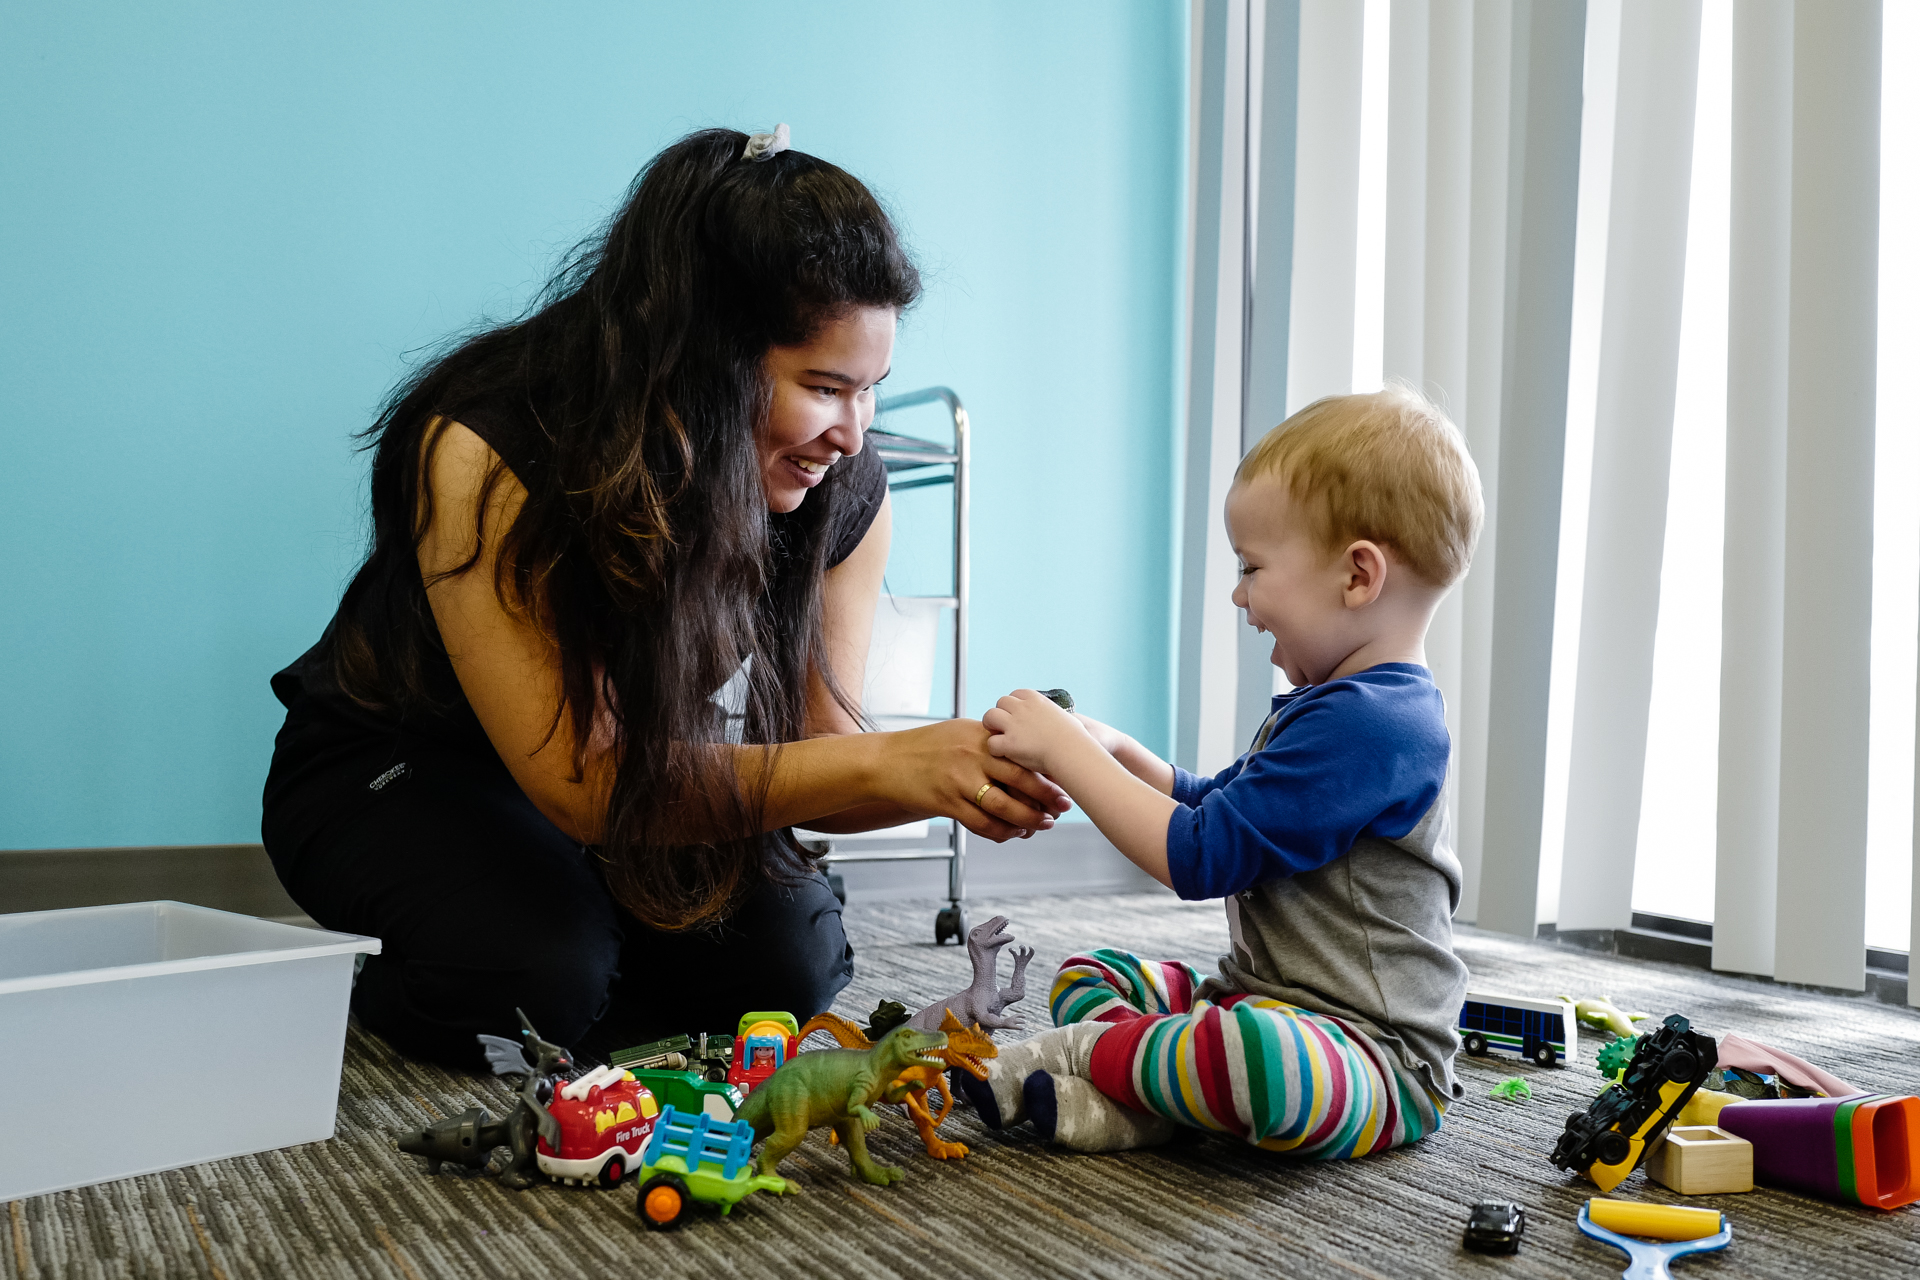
<point>469,1138</point>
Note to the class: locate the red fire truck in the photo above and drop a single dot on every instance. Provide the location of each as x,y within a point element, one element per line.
<point>606,1118</point>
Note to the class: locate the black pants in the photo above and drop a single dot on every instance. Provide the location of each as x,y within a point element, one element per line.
<point>482,906</point>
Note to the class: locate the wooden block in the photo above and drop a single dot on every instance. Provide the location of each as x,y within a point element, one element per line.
<point>1702,1160</point>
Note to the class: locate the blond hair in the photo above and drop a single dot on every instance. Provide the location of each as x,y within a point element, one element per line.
<point>1388,467</point>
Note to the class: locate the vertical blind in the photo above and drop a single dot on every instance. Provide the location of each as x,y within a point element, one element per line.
<point>1492,200</point>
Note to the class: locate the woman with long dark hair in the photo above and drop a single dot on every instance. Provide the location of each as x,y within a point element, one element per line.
<point>504,757</point>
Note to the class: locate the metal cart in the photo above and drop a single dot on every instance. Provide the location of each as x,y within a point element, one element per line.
<point>914,463</point>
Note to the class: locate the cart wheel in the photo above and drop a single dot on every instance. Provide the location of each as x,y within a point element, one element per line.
<point>951,923</point>
<point>1475,1044</point>
<point>1611,1147</point>
<point>663,1202</point>
<point>613,1170</point>
<point>1544,1056</point>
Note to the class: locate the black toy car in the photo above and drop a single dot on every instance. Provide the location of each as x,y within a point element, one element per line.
<point>1495,1226</point>
<point>1606,1140</point>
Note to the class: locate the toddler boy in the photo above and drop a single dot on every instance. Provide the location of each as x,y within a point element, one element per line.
<point>1328,1031</point>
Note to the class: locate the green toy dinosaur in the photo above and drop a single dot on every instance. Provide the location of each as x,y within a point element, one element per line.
<point>835,1087</point>
<point>1603,1015</point>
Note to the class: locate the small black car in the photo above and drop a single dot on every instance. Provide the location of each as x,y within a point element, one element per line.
<point>1495,1227</point>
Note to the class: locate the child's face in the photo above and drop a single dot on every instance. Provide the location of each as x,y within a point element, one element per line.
<point>1292,588</point>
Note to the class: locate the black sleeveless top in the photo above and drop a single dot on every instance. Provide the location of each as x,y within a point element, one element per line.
<point>325,725</point>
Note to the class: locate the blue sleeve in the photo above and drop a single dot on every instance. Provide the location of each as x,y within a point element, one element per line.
<point>1353,759</point>
<point>1191,788</point>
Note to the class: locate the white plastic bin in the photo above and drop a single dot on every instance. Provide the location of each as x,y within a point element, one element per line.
<point>152,1035</point>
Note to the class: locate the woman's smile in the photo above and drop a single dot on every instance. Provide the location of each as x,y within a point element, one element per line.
<point>810,471</point>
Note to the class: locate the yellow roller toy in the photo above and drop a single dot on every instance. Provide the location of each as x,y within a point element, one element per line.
<point>1674,1231</point>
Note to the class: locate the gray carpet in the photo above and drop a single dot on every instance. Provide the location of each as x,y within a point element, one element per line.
<point>354,1207</point>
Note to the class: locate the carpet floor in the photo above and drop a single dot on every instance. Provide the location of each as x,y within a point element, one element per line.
<point>355,1207</point>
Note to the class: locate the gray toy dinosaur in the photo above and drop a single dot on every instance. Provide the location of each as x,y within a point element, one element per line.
<point>983,1003</point>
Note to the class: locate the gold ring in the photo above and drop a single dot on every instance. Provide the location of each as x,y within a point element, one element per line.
<point>981,794</point>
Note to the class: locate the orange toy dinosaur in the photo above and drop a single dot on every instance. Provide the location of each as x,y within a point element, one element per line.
<point>966,1048</point>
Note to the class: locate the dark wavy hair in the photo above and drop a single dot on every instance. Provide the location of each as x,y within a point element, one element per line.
<point>645,550</point>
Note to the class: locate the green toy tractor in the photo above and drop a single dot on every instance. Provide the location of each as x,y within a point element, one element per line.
<point>695,1157</point>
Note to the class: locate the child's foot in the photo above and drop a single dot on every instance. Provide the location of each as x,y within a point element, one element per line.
<point>1071,1113</point>
<point>1063,1051</point>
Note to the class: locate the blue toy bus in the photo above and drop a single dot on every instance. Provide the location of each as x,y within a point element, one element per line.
<point>1542,1031</point>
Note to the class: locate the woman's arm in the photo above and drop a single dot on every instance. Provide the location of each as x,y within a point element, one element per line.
<point>849,597</point>
<point>510,674</point>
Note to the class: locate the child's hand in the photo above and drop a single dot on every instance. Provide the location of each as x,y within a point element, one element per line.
<point>1030,730</point>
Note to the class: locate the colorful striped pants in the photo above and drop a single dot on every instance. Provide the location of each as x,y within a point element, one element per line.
<point>1279,1076</point>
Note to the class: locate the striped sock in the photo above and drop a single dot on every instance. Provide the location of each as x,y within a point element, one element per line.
<point>1071,1112</point>
<point>1000,1099</point>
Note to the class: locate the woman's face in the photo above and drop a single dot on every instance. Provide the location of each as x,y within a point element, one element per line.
<point>822,401</point>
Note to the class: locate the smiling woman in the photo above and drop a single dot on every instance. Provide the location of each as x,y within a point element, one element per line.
<point>822,401</point>
<point>503,757</point>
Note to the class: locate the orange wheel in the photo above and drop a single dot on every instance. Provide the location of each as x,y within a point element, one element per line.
<point>663,1202</point>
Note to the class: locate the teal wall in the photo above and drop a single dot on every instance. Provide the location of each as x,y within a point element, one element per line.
<point>224,227</point>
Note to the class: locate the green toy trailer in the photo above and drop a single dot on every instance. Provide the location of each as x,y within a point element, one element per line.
<point>695,1157</point>
<point>690,1093</point>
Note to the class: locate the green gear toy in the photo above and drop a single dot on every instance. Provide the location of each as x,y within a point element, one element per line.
<point>1616,1054</point>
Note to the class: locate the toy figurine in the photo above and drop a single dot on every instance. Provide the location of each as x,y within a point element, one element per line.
<point>1513,1089</point>
<point>835,1087</point>
<point>887,1015</point>
<point>966,1050</point>
<point>1603,1015</point>
<point>469,1138</point>
<point>1605,1142</point>
<point>981,1004</point>
<point>764,1043</point>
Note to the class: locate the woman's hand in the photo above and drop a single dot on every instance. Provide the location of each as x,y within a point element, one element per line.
<point>1123,788</point>
<point>945,769</point>
<point>1029,729</point>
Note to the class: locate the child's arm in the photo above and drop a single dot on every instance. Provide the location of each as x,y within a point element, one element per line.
<point>1130,810</point>
<point>1138,761</point>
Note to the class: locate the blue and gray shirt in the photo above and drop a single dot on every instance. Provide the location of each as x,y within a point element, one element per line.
<point>1331,844</point>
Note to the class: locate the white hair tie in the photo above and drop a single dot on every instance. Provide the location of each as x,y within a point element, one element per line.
<point>765,146</point>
